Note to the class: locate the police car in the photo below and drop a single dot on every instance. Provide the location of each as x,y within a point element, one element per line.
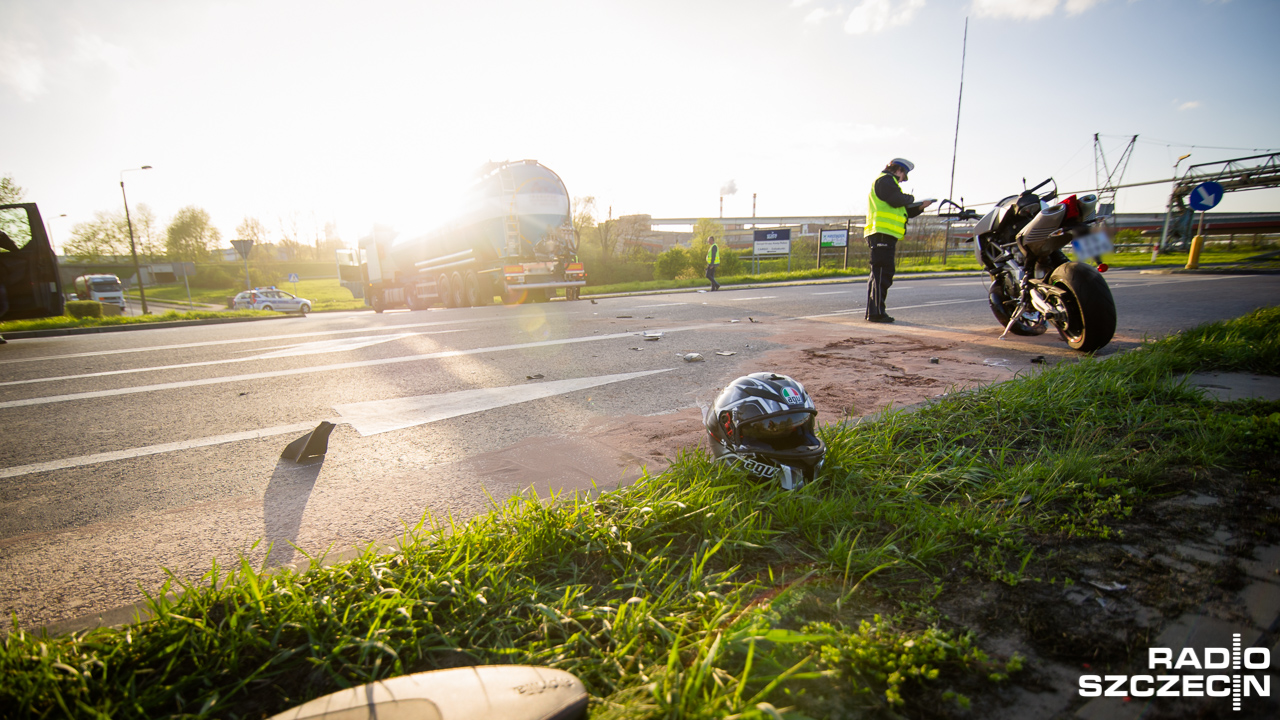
<point>271,299</point>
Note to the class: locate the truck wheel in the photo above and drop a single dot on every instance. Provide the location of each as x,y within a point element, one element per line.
<point>411,297</point>
<point>475,294</point>
<point>512,296</point>
<point>538,296</point>
<point>459,291</point>
<point>443,291</point>
<point>573,293</point>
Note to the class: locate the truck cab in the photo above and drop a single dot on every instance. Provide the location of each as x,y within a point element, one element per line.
<point>105,289</point>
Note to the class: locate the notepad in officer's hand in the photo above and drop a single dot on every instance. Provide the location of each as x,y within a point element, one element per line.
<point>918,203</point>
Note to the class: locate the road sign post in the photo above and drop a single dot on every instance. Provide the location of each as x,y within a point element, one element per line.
<point>1205,197</point>
<point>243,247</point>
<point>293,278</point>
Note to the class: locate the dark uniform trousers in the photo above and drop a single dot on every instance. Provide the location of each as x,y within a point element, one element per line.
<point>882,249</point>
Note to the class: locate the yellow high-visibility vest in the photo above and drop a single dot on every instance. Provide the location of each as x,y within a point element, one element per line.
<point>883,217</point>
<point>713,257</point>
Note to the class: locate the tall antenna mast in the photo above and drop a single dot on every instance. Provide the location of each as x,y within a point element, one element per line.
<point>964,49</point>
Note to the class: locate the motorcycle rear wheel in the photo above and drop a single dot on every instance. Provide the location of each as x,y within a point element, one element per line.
<point>1090,309</point>
<point>1002,307</point>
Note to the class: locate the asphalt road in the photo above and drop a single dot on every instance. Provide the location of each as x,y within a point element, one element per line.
<point>128,452</point>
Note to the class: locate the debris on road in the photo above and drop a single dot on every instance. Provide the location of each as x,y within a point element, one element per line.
<point>313,444</point>
<point>1037,360</point>
<point>933,361</point>
<point>620,317</point>
<point>693,357</point>
<point>652,335</point>
<point>533,377</point>
<point>726,354</point>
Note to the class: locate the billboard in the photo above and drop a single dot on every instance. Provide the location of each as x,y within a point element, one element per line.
<point>772,242</point>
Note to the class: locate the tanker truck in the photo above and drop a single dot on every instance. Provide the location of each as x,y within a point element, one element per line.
<point>511,240</point>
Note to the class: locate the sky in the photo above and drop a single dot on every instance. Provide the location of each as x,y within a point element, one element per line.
<point>307,112</point>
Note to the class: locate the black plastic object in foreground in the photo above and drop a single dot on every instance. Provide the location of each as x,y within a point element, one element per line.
<point>313,444</point>
<point>487,692</point>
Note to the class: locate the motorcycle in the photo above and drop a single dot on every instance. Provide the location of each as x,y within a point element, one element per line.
<point>1033,284</point>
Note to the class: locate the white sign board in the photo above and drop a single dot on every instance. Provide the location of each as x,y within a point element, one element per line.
<point>772,247</point>
<point>835,238</point>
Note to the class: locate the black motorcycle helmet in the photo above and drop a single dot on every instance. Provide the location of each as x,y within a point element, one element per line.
<point>765,422</point>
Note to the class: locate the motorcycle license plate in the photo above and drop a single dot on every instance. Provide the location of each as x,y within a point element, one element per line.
<point>1091,246</point>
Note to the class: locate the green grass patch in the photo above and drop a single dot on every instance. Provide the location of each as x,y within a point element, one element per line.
<point>64,321</point>
<point>324,294</point>
<point>700,593</point>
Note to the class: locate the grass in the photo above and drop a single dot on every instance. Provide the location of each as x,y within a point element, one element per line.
<point>700,593</point>
<point>66,321</point>
<point>324,294</point>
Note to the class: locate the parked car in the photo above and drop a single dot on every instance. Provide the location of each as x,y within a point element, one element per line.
<point>271,299</point>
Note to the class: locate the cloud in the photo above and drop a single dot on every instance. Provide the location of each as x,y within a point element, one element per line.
<point>817,15</point>
<point>798,3</point>
<point>729,188</point>
<point>22,72</point>
<point>873,16</point>
<point>1189,105</point>
<point>1075,7</point>
<point>1029,9</point>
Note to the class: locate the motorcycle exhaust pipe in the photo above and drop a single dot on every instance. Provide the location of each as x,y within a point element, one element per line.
<point>1088,207</point>
<point>1046,222</point>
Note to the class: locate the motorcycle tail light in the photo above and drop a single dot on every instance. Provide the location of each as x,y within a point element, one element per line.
<point>1073,209</point>
<point>1102,267</point>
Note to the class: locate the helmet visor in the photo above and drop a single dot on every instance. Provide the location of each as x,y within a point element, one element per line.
<point>776,426</point>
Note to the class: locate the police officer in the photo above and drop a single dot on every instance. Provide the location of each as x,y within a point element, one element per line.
<point>887,211</point>
<point>713,262</point>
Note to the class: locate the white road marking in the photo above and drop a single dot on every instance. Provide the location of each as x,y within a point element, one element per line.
<point>329,346</point>
<point>210,343</point>
<point>368,418</point>
<point>761,297</point>
<point>379,416</point>
<point>833,292</point>
<point>325,368</point>
<point>286,351</point>
<point>938,303</point>
<point>638,307</point>
<point>153,450</point>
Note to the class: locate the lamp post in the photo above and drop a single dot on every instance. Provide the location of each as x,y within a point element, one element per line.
<point>133,248</point>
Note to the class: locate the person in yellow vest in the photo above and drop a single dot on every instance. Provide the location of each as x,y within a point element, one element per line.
<point>887,211</point>
<point>713,262</point>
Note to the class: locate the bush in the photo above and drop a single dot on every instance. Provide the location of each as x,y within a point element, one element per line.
<point>84,309</point>
<point>673,263</point>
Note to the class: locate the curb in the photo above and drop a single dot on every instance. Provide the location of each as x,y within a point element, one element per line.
<point>58,332</point>
<point>791,283</point>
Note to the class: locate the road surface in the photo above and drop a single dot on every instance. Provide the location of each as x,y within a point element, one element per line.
<point>131,452</point>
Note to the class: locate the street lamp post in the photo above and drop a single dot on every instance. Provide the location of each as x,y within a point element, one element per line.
<point>133,248</point>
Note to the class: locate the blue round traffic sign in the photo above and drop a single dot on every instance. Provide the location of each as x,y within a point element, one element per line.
<point>1206,195</point>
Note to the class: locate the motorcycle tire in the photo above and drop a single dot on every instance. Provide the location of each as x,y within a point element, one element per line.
<point>1001,306</point>
<point>1091,311</point>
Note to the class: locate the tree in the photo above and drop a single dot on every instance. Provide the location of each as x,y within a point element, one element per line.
<point>10,191</point>
<point>290,233</point>
<point>191,236</point>
<point>703,231</point>
<point>106,235</point>
<point>582,215</point>
<point>146,232</point>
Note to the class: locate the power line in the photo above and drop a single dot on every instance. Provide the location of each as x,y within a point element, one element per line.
<point>1158,141</point>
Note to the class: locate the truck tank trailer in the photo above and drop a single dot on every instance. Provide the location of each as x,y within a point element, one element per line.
<point>512,240</point>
